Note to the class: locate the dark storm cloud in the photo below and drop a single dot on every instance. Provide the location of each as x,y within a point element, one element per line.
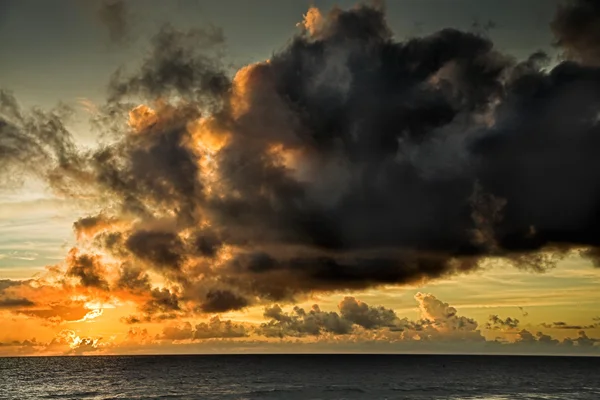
<point>115,15</point>
<point>404,152</point>
<point>9,299</point>
<point>88,269</point>
<point>15,302</point>
<point>350,159</point>
<point>161,304</point>
<point>163,249</point>
<point>133,279</point>
<point>87,223</point>
<point>90,226</point>
<point>149,170</point>
<point>548,123</point>
<point>32,142</point>
<point>206,243</point>
<point>221,301</point>
<point>163,301</point>
<point>182,63</point>
<point>576,26</point>
<point>282,278</point>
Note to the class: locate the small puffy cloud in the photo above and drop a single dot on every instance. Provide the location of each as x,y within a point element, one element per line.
<point>584,340</point>
<point>70,343</point>
<point>300,322</point>
<point>178,332</point>
<point>564,325</point>
<point>215,328</point>
<point>442,315</point>
<point>495,322</point>
<point>362,314</point>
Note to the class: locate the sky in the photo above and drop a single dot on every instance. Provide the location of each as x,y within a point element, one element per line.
<point>289,176</point>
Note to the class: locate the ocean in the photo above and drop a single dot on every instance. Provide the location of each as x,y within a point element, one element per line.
<point>300,377</point>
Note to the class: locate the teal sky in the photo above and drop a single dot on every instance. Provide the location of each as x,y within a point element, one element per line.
<point>60,50</point>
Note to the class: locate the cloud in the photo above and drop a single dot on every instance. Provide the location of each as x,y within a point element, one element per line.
<point>362,314</point>
<point>214,328</point>
<point>441,320</point>
<point>74,344</point>
<point>438,321</point>
<point>32,143</point>
<point>53,303</point>
<point>133,279</point>
<point>355,323</point>
<point>181,332</point>
<point>115,15</point>
<point>584,341</point>
<point>300,323</point>
<point>57,313</point>
<point>158,304</point>
<point>525,313</point>
<point>221,301</point>
<point>88,269</point>
<point>162,249</point>
<point>65,342</point>
<point>88,227</point>
<point>162,301</point>
<point>495,322</point>
<point>575,26</point>
<point>182,63</point>
<point>564,325</point>
<point>15,302</point>
<point>348,160</point>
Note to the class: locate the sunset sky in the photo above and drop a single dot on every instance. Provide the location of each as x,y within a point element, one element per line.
<point>410,176</point>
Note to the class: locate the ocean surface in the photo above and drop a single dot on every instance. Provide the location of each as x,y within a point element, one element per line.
<point>300,377</point>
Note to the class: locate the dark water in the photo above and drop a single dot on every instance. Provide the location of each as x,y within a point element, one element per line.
<point>300,377</point>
